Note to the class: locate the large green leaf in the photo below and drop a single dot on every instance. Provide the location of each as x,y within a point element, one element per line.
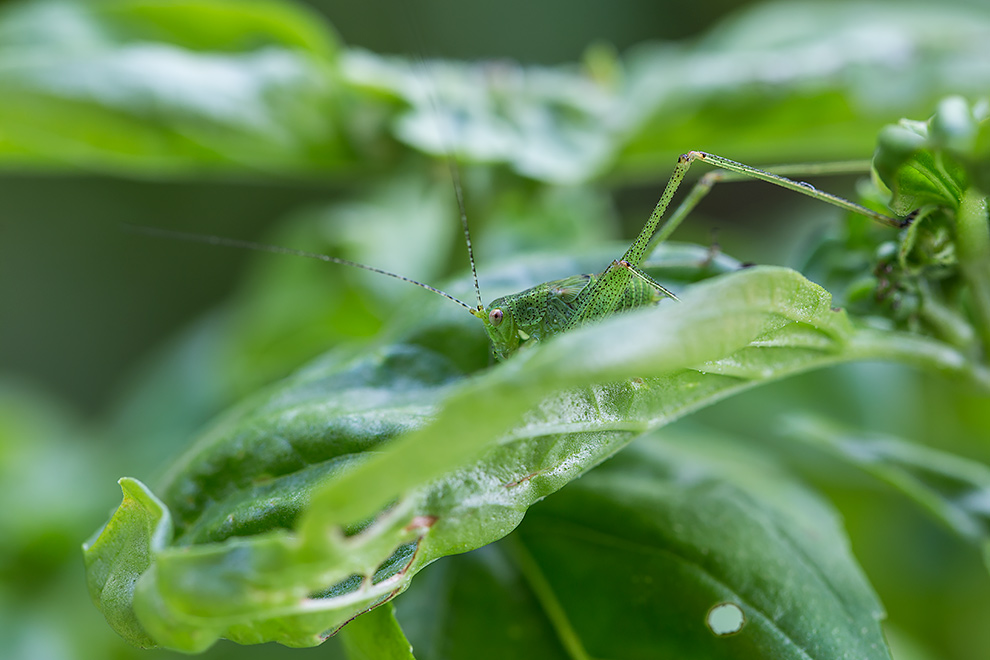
<point>675,526</point>
<point>292,515</point>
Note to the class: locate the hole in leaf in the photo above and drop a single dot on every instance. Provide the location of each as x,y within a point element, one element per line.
<point>725,619</point>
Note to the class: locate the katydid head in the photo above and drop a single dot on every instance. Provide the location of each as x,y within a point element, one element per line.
<point>500,324</point>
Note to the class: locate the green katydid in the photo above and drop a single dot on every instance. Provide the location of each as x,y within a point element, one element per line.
<point>560,305</point>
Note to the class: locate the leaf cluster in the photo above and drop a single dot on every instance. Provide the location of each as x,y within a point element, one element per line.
<point>370,476</point>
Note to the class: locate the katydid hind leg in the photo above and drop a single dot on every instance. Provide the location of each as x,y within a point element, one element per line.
<point>730,171</point>
<point>610,285</point>
<point>608,288</point>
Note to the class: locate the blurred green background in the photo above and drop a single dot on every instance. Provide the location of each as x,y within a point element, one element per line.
<point>90,299</point>
<point>88,310</point>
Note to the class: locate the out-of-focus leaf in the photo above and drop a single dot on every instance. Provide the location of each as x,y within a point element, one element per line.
<point>905,647</point>
<point>173,87</point>
<point>785,81</point>
<point>454,605</point>
<point>376,635</point>
<point>158,88</point>
<point>932,162</point>
<point>544,122</point>
<point>195,25</point>
<point>799,81</point>
<point>953,490</point>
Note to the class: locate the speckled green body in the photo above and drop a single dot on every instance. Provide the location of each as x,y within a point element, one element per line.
<point>552,307</point>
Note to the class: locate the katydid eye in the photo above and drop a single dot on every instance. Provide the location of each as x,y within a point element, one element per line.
<point>495,316</point>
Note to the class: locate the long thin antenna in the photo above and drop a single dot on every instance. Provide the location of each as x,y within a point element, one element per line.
<point>277,249</point>
<point>455,176</point>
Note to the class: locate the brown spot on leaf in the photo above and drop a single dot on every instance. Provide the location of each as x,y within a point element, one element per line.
<point>523,480</point>
<point>420,522</point>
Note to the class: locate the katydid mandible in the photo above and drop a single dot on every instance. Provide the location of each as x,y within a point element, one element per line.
<point>557,306</point>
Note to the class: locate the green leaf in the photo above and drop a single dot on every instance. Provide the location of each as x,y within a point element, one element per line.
<point>159,88</point>
<point>290,521</point>
<point>933,162</point>
<point>673,527</point>
<point>478,605</point>
<point>718,319</point>
<point>165,88</point>
<point>682,525</point>
<point>546,123</point>
<point>118,554</point>
<point>808,81</point>
<point>376,636</point>
<point>199,25</point>
<point>293,515</point>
